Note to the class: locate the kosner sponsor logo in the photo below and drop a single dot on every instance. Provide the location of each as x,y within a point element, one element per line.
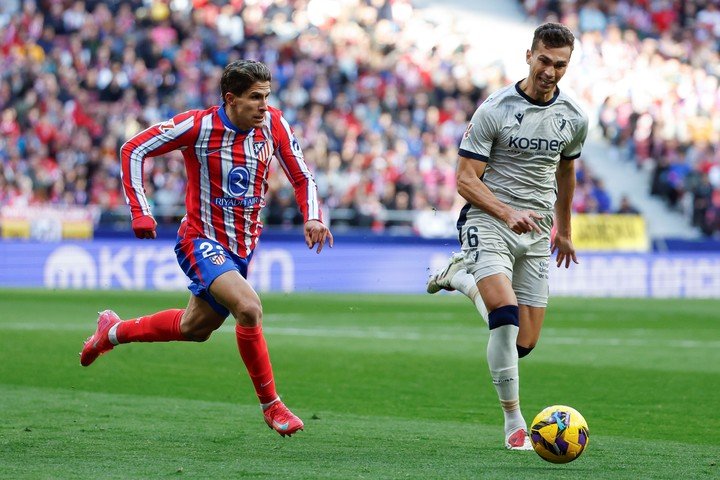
<point>522,143</point>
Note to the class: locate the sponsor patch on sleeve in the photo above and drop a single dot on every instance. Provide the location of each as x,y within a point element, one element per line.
<point>468,130</point>
<point>167,126</point>
<point>295,146</point>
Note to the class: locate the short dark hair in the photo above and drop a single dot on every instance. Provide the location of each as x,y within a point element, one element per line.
<point>240,75</point>
<point>553,35</point>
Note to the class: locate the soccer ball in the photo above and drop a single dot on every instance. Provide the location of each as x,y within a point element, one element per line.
<point>559,434</point>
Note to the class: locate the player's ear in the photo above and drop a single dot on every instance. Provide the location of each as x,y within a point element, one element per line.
<point>528,56</point>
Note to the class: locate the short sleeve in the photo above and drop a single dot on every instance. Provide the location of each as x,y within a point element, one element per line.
<point>477,141</point>
<point>573,149</point>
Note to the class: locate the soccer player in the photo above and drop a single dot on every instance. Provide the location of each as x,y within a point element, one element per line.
<point>515,169</point>
<point>227,151</point>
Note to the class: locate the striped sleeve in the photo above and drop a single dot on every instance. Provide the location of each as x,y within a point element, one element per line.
<point>290,156</point>
<point>153,141</point>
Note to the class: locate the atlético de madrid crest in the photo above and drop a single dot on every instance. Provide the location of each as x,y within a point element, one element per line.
<point>218,259</point>
<point>257,146</point>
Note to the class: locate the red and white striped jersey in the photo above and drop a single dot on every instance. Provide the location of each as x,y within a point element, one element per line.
<point>227,172</point>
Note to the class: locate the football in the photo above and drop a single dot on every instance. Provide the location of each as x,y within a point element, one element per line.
<point>559,434</point>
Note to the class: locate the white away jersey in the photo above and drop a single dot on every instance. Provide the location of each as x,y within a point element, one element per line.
<point>522,142</point>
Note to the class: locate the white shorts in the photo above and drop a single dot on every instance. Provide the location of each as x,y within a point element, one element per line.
<point>490,247</point>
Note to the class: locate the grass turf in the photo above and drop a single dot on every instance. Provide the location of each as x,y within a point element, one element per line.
<point>388,386</point>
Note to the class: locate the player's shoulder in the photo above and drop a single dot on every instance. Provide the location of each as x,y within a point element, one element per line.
<point>497,107</point>
<point>187,119</point>
<point>278,125</point>
<point>498,97</point>
<point>195,113</point>
<point>572,106</point>
<point>275,120</point>
<point>177,125</point>
<point>199,113</point>
<point>274,112</point>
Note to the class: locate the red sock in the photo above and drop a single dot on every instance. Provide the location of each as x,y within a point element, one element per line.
<point>159,327</point>
<point>254,352</point>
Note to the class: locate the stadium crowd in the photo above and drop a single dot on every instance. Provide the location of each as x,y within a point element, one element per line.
<point>378,93</point>
<point>655,68</point>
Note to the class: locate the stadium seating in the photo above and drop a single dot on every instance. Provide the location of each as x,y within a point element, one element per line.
<point>378,94</point>
<point>655,79</point>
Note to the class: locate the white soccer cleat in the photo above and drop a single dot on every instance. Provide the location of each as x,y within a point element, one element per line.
<point>440,280</point>
<point>518,440</point>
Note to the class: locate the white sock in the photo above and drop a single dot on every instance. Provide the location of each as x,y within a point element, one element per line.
<point>465,283</point>
<point>503,363</point>
<point>112,334</point>
<point>513,417</point>
<point>265,406</point>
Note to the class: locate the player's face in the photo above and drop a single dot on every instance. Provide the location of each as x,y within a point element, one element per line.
<point>547,67</point>
<point>248,110</point>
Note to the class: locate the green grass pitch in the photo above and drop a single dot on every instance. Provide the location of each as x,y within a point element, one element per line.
<point>388,386</point>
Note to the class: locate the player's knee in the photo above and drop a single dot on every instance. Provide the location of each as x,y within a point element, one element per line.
<point>524,351</point>
<point>505,315</point>
<point>248,314</point>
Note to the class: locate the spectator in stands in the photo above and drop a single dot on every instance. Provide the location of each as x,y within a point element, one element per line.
<point>82,75</point>
<point>702,204</point>
<point>78,76</point>
<point>626,207</point>
<point>600,195</point>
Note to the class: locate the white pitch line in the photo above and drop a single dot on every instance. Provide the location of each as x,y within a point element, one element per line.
<point>392,335</point>
<point>401,335</point>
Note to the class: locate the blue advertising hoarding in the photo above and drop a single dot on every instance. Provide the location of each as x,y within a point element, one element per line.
<point>287,265</point>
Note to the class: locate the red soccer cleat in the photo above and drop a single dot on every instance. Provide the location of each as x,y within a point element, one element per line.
<point>518,440</point>
<point>99,343</point>
<point>281,419</point>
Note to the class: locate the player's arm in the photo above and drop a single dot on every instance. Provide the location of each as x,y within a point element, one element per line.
<point>291,160</point>
<point>562,242</point>
<point>155,140</point>
<point>565,180</point>
<point>473,189</point>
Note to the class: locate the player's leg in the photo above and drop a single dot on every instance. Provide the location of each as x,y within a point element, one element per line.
<point>490,255</point>
<point>531,322</point>
<point>192,324</point>
<point>163,326</point>
<point>201,318</point>
<point>530,283</point>
<point>195,323</point>
<point>502,355</point>
<point>454,276</point>
<point>238,296</point>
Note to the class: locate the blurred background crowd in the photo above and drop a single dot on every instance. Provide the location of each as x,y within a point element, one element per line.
<point>378,93</point>
<point>651,68</point>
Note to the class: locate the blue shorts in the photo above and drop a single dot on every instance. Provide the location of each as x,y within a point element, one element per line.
<point>203,260</point>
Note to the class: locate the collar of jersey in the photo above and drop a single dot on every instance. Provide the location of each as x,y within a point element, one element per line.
<point>226,121</point>
<point>533,101</point>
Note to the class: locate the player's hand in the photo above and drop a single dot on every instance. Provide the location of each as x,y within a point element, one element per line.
<point>316,233</point>
<point>565,250</point>
<point>144,226</point>
<point>523,221</point>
